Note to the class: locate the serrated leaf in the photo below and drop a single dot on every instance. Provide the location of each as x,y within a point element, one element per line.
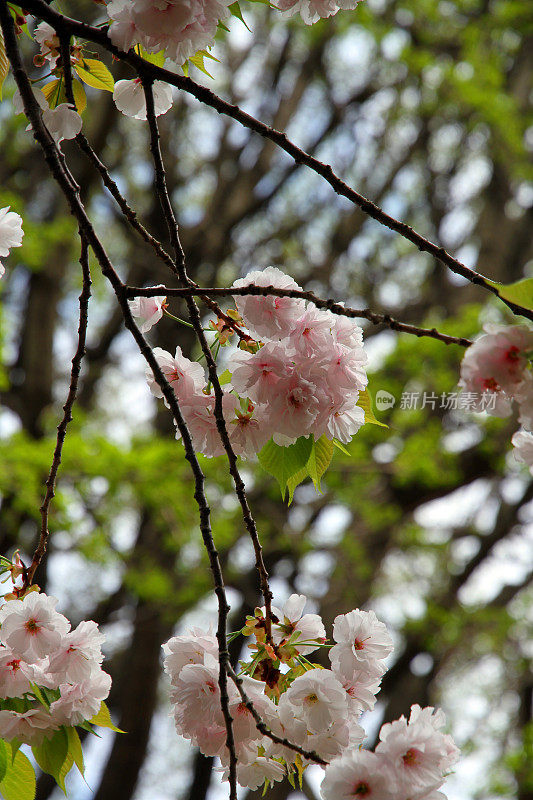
<point>19,781</point>
<point>68,763</point>
<point>5,759</point>
<point>235,11</point>
<point>4,63</point>
<point>520,292</point>
<point>39,695</point>
<point>341,447</point>
<point>51,755</point>
<point>224,377</point>
<point>103,719</point>
<point>54,91</point>
<point>74,749</point>
<point>294,481</point>
<point>284,462</point>
<point>364,401</point>
<point>319,460</point>
<point>94,73</point>
<point>198,60</point>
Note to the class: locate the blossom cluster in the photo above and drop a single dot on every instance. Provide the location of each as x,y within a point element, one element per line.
<point>301,375</point>
<point>11,233</point>
<point>50,675</point>
<point>499,362</point>
<point>314,708</point>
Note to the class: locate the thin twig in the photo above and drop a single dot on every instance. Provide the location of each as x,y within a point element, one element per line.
<point>331,305</point>
<point>67,416</point>
<point>210,361</point>
<point>206,96</point>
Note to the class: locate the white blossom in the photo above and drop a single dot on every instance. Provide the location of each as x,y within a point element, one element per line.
<point>130,99</point>
<point>32,627</point>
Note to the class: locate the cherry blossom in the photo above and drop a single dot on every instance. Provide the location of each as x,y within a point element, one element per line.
<point>186,377</point>
<point>523,448</point>
<point>81,701</point>
<point>309,626</point>
<point>147,311</point>
<point>130,99</point>
<point>11,232</point>
<point>16,675</point>
<point>29,727</point>
<point>48,40</point>
<point>79,655</point>
<point>32,627</point>
<point>318,698</point>
<point>418,754</point>
<point>269,317</point>
<point>356,774</point>
<point>63,122</point>
<point>313,10</point>
<point>360,636</point>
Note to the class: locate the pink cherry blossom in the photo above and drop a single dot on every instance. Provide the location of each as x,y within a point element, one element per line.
<point>63,122</point>
<point>496,363</point>
<point>147,311</point>
<point>16,675</point>
<point>189,648</point>
<point>31,627</point>
<point>186,377</point>
<point>523,448</point>
<point>357,774</point>
<point>309,626</point>
<point>81,701</point>
<point>256,375</point>
<point>249,430</point>
<point>11,232</point>
<point>79,655</point>
<point>417,753</point>
<point>268,317</point>
<point>199,413</point>
<point>130,99</point>
<point>360,636</point>
<point>29,727</point>
<point>313,10</point>
<point>318,698</point>
<point>294,409</point>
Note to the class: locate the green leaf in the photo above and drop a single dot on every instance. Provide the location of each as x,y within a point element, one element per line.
<point>103,719</point>
<point>4,63</point>
<point>364,401</point>
<point>520,293</point>
<point>94,73</point>
<point>54,91</point>
<point>235,11</point>
<point>74,749</point>
<point>198,60</point>
<point>341,447</point>
<point>5,759</point>
<point>153,58</point>
<point>294,481</point>
<point>319,460</point>
<point>51,755</point>
<point>224,377</point>
<point>284,462</point>
<point>19,781</point>
<point>39,695</point>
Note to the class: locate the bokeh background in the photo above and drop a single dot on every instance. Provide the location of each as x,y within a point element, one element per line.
<point>423,107</point>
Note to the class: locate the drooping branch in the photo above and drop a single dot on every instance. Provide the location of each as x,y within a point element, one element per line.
<point>63,24</point>
<point>330,305</point>
<point>67,415</point>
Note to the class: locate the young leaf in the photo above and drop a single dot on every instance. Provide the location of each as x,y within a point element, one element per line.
<point>341,447</point>
<point>94,73</point>
<point>153,58</point>
<point>235,11</point>
<point>319,460</point>
<point>365,402</point>
<point>54,91</point>
<point>224,377</point>
<point>19,781</point>
<point>520,292</point>
<point>74,749</point>
<point>284,462</point>
<point>52,753</point>
<point>198,60</point>
<point>4,64</point>
<point>295,480</point>
<point>103,719</point>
